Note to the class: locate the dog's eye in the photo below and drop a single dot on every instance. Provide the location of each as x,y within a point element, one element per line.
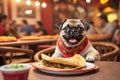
<point>79,28</point>
<point>67,28</point>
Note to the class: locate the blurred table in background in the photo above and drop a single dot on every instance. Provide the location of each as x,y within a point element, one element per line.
<point>27,42</point>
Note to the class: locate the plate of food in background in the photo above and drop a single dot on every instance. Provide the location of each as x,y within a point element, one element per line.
<point>27,38</point>
<point>7,39</point>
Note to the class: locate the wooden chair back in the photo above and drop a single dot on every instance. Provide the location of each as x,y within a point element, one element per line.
<point>13,50</point>
<point>108,51</point>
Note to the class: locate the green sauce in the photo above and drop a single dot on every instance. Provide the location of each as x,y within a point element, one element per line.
<point>15,66</point>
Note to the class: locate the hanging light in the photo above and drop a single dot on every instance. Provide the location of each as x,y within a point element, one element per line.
<point>103,1</point>
<point>88,1</point>
<point>44,5</point>
<point>37,3</point>
<point>18,1</point>
<point>74,1</point>
<point>28,2</point>
<point>112,17</point>
<point>108,10</point>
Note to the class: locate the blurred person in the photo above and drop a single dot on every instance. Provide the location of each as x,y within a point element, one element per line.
<point>115,22</point>
<point>105,29</point>
<point>62,11</point>
<point>3,21</point>
<point>39,29</point>
<point>25,29</point>
<point>11,28</point>
<point>116,37</point>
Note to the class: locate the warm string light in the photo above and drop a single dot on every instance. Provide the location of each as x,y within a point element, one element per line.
<point>44,5</point>
<point>37,3</point>
<point>18,1</point>
<point>88,1</point>
<point>28,2</point>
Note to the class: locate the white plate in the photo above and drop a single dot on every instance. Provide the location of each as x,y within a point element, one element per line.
<point>89,67</point>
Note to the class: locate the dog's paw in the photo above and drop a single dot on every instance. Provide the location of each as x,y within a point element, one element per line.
<point>90,59</point>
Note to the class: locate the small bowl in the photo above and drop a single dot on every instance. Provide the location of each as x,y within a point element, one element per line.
<point>15,73</point>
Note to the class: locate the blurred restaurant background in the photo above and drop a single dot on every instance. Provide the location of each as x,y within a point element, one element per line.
<point>52,11</point>
<point>40,17</point>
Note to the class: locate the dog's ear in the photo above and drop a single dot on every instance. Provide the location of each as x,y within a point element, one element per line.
<point>59,25</point>
<point>86,25</point>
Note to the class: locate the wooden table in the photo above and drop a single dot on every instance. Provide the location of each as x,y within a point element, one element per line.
<point>93,37</point>
<point>27,42</point>
<point>106,71</point>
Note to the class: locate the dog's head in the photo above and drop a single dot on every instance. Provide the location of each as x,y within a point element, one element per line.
<point>72,31</point>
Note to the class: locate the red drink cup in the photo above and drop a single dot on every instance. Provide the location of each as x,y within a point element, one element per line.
<point>15,74</point>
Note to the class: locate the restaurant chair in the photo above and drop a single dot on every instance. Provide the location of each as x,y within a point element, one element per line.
<point>27,57</point>
<point>108,51</point>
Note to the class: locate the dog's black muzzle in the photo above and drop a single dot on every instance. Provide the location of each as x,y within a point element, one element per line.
<point>73,34</point>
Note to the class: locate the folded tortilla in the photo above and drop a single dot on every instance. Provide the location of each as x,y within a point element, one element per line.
<point>76,61</point>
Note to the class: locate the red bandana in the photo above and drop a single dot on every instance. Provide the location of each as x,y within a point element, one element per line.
<point>69,52</point>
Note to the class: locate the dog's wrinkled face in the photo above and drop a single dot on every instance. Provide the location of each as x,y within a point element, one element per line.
<point>72,32</point>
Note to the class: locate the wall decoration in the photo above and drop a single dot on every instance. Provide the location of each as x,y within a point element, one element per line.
<point>26,11</point>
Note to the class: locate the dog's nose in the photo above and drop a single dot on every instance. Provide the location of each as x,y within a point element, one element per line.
<point>72,32</point>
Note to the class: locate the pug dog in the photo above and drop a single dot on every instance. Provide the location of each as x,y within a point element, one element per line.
<point>73,40</point>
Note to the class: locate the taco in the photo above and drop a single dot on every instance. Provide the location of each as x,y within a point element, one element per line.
<point>74,62</point>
